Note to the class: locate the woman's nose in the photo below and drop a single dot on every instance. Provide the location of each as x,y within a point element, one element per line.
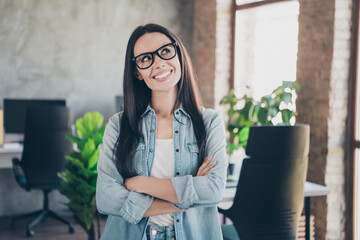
<point>158,62</point>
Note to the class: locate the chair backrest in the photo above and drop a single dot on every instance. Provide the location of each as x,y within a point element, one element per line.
<point>45,145</point>
<point>270,192</point>
<point>278,141</point>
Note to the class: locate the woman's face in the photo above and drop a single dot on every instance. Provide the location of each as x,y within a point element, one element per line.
<point>162,75</point>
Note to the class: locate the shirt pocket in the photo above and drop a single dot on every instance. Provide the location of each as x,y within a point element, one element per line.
<point>194,158</point>
<point>139,159</point>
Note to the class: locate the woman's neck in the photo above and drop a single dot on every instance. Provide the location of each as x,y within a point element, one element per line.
<point>163,103</point>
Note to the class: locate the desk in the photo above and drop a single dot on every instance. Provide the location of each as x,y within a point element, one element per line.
<point>310,190</point>
<point>8,153</point>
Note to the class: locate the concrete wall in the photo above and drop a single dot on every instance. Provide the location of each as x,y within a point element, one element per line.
<point>73,50</point>
<point>76,49</point>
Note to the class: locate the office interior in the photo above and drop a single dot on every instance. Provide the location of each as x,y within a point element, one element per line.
<point>75,50</point>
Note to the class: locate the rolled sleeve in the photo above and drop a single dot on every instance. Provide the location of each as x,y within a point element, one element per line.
<point>112,198</point>
<point>185,191</point>
<point>206,190</point>
<point>135,207</point>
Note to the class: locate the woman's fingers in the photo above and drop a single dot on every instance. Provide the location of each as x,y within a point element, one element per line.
<point>203,165</point>
<point>205,168</point>
<point>206,162</point>
<point>209,168</point>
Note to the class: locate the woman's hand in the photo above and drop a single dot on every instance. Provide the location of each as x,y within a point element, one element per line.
<point>134,184</point>
<point>205,168</point>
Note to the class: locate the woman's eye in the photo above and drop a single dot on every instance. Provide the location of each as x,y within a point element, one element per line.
<point>145,58</point>
<point>165,51</point>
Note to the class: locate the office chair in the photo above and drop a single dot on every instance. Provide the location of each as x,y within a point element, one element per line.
<point>269,196</point>
<point>45,147</point>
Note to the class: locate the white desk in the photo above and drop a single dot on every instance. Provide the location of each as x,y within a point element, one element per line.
<point>310,190</point>
<point>7,153</point>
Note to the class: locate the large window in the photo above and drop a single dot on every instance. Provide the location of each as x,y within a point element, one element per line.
<point>266,34</point>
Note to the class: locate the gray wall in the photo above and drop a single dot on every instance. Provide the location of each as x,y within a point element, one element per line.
<point>75,50</point>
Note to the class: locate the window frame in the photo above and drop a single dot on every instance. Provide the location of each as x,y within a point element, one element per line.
<point>353,143</point>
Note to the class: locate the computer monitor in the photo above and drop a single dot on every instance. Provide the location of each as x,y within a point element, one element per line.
<point>119,103</point>
<point>15,112</point>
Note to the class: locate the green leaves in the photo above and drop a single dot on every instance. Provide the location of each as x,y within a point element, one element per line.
<point>275,108</point>
<point>87,125</point>
<point>79,178</point>
<point>88,150</point>
<point>93,159</point>
<point>286,115</point>
<point>244,134</point>
<point>84,216</point>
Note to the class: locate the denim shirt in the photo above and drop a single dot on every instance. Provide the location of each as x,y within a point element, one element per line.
<point>199,196</point>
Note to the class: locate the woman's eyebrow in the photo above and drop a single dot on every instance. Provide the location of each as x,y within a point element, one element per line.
<point>154,50</point>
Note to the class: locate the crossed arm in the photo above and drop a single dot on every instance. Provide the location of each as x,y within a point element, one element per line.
<point>164,192</point>
<point>133,199</point>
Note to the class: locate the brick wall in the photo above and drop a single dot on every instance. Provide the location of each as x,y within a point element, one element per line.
<point>323,72</point>
<point>313,72</point>
<point>212,49</point>
<point>223,51</point>
<point>204,46</point>
<point>338,113</point>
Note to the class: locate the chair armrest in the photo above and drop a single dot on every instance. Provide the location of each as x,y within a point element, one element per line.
<point>19,173</point>
<point>222,211</point>
<point>17,167</point>
<point>16,161</point>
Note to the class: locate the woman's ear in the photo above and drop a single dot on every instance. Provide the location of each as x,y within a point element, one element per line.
<point>138,76</point>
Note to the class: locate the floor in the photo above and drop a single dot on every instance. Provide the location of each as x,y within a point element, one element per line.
<point>48,230</point>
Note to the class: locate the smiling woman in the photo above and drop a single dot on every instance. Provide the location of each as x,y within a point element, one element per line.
<point>162,166</point>
<point>160,69</point>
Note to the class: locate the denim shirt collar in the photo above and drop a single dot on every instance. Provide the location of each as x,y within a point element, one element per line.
<point>180,114</point>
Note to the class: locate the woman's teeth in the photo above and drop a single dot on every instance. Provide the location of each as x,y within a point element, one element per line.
<point>162,75</point>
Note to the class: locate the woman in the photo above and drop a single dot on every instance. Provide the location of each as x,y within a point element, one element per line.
<point>162,165</point>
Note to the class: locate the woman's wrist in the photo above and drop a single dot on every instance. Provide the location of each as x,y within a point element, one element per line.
<point>142,184</point>
<point>136,184</point>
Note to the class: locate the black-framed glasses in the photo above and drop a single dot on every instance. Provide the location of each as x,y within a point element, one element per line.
<point>145,60</point>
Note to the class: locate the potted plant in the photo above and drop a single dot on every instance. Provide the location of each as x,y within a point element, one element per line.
<point>244,111</point>
<point>79,178</point>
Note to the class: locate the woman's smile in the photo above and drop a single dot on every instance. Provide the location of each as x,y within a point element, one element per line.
<point>163,75</point>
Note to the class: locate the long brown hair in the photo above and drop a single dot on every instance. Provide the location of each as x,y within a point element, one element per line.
<point>137,96</point>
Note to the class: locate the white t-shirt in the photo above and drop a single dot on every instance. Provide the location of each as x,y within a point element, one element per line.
<point>163,167</point>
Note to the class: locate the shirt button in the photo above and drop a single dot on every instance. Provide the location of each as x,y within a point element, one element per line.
<point>177,113</point>
<point>177,150</point>
<point>177,173</point>
<point>151,150</point>
<point>177,220</point>
<point>176,131</point>
<point>152,130</point>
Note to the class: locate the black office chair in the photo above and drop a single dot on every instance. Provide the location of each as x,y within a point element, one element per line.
<point>45,147</point>
<point>270,193</point>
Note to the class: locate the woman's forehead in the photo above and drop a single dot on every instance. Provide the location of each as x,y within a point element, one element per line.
<point>149,42</point>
